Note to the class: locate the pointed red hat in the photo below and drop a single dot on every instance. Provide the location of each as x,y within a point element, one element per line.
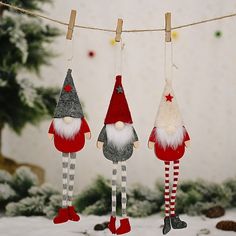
<point>118,109</point>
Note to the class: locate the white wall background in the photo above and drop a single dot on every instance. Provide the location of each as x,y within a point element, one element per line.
<point>205,85</point>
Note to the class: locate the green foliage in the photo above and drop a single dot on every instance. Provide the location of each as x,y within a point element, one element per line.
<point>193,197</point>
<point>23,180</point>
<point>95,199</point>
<point>25,45</point>
<point>196,196</point>
<point>27,206</point>
<point>28,4</point>
<point>144,201</point>
<point>20,194</point>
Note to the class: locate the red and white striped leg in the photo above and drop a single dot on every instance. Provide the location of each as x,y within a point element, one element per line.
<point>167,188</point>
<point>174,188</point>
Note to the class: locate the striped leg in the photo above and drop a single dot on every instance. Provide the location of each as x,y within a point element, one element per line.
<point>174,188</point>
<point>71,177</point>
<point>113,186</point>
<point>167,188</point>
<point>65,162</point>
<point>123,188</point>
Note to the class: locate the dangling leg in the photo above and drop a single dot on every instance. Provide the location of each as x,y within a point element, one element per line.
<point>63,212</point>
<point>175,221</point>
<point>112,223</point>
<point>167,226</point>
<point>72,213</point>
<point>124,222</point>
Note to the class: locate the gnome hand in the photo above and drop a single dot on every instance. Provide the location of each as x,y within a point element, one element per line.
<point>50,136</point>
<point>187,143</point>
<point>87,135</point>
<point>136,144</point>
<point>151,145</point>
<point>99,144</point>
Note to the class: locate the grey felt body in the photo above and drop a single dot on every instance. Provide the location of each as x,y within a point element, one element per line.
<point>111,152</point>
<point>69,103</point>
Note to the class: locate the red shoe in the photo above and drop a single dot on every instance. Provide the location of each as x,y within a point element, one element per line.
<point>72,214</point>
<point>112,224</point>
<point>124,227</point>
<point>62,216</point>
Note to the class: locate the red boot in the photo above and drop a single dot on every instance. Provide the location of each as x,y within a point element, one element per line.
<point>124,226</point>
<point>72,214</point>
<point>112,224</point>
<point>62,216</point>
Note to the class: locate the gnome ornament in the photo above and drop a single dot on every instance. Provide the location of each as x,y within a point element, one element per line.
<point>69,130</point>
<point>169,139</point>
<point>118,138</point>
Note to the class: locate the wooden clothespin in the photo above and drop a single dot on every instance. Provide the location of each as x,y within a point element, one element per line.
<point>71,25</point>
<point>119,30</point>
<point>168,27</point>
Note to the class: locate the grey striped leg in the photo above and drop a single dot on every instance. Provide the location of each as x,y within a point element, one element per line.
<point>113,188</point>
<point>71,177</point>
<point>65,163</point>
<point>123,188</point>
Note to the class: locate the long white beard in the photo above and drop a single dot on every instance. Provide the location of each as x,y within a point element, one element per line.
<point>173,140</point>
<point>67,130</point>
<point>119,138</point>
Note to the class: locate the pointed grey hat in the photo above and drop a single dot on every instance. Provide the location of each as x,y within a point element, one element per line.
<point>69,103</point>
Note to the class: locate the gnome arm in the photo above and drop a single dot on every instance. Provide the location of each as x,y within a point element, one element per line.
<point>85,129</point>
<point>136,142</point>
<point>101,137</point>
<point>152,138</point>
<point>186,138</point>
<point>51,131</point>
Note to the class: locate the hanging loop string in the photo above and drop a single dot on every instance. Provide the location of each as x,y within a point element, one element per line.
<point>111,30</point>
<point>168,62</point>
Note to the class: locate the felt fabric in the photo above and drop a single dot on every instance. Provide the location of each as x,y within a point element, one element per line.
<point>168,153</point>
<point>168,114</point>
<point>118,109</point>
<point>69,103</point>
<point>70,145</point>
<point>111,152</point>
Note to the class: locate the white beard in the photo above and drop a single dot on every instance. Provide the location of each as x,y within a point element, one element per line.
<point>173,140</point>
<point>67,130</point>
<point>119,138</point>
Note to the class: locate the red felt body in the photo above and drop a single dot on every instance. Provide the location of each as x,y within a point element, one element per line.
<point>70,145</point>
<point>168,154</point>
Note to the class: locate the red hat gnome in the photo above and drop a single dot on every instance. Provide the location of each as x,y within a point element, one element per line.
<point>118,138</point>
<point>169,139</point>
<point>69,129</point>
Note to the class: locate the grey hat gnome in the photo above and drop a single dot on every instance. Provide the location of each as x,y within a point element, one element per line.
<point>117,139</point>
<point>69,130</point>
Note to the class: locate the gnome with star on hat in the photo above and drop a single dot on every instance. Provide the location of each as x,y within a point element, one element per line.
<point>118,138</point>
<point>69,130</point>
<point>169,138</point>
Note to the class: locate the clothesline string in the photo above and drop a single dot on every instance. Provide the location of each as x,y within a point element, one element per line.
<point>111,30</point>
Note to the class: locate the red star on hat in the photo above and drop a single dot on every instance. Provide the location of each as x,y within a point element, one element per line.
<point>67,88</point>
<point>169,98</point>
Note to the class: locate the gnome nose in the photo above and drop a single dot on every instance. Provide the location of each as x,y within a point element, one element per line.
<point>68,119</point>
<point>119,125</point>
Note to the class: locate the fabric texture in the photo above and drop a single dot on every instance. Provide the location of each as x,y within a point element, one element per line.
<point>113,189</point>
<point>111,152</point>
<point>70,145</point>
<point>168,153</point>
<point>68,103</point>
<point>168,114</point>
<point>118,109</point>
